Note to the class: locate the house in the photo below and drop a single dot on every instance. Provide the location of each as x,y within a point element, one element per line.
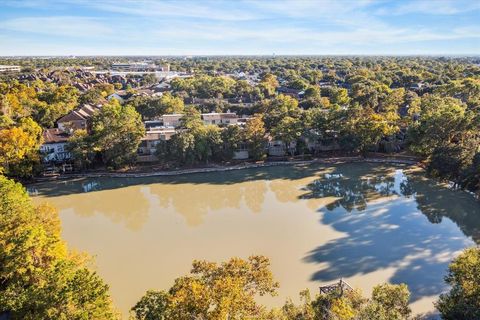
<point>219,118</point>
<point>77,119</point>
<point>172,120</point>
<point>294,93</point>
<point>115,95</point>
<point>151,124</point>
<point>148,144</point>
<point>162,87</point>
<point>242,152</point>
<point>54,148</point>
<point>278,148</point>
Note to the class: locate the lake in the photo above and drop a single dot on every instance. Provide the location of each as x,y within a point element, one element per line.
<point>366,223</point>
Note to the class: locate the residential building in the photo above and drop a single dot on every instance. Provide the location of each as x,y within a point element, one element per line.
<point>120,98</point>
<point>54,148</point>
<point>241,153</point>
<point>220,118</point>
<point>148,145</point>
<point>294,93</point>
<point>77,119</point>
<point>172,120</point>
<point>278,148</point>
<point>4,68</point>
<point>135,66</point>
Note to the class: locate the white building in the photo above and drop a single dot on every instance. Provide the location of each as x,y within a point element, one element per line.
<point>4,68</point>
<point>135,66</point>
<point>54,148</point>
<point>219,118</point>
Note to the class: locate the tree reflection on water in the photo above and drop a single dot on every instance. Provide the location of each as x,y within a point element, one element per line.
<point>385,230</point>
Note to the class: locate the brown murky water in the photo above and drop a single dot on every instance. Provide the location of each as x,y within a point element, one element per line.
<point>365,223</point>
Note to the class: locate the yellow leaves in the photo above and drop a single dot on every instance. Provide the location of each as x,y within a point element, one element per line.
<point>40,279</point>
<point>220,291</point>
<point>342,309</point>
<point>15,144</point>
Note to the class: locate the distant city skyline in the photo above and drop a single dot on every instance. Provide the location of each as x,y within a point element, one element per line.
<point>301,27</point>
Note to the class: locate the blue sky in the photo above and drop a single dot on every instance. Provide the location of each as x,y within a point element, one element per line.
<point>185,27</point>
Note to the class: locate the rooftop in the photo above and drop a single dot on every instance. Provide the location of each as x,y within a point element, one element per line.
<point>55,135</point>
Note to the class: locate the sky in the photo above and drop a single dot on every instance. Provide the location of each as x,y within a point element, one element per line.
<point>242,27</point>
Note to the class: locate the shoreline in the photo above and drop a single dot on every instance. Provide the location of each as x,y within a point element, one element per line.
<point>220,168</point>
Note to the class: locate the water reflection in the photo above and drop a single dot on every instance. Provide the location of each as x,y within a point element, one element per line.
<point>387,233</point>
<point>389,223</point>
<point>194,202</point>
<point>128,206</point>
<point>353,190</point>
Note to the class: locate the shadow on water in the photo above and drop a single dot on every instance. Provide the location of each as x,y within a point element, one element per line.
<point>391,216</point>
<point>73,186</point>
<point>381,217</point>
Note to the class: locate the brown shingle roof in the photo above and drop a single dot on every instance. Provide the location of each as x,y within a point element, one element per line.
<point>72,116</point>
<point>85,112</point>
<point>55,135</point>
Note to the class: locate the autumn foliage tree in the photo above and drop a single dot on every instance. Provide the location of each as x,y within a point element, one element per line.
<point>39,277</point>
<point>212,291</point>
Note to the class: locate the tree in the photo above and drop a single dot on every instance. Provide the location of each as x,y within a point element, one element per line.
<point>338,304</point>
<point>288,130</point>
<point>442,120</point>
<point>269,84</point>
<point>154,107</point>
<point>364,128</point>
<point>117,132</point>
<point>463,300</point>
<point>181,147</point>
<point>152,306</point>
<point>255,137</point>
<point>213,291</point>
<point>28,165</point>
<point>148,79</point>
<point>313,92</point>
<point>388,302</point>
<point>232,137</point>
<point>54,102</point>
<point>40,278</point>
<point>208,142</point>
<point>80,145</point>
<point>15,146</point>
<point>276,109</point>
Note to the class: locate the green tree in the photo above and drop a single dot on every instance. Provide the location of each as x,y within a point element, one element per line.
<point>117,132</point>
<point>154,107</point>
<point>274,110</point>
<point>442,120</point>
<point>388,302</point>
<point>288,130</point>
<point>208,142</point>
<point>53,103</point>
<point>80,145</point>
<point>154,305</point>
<point>463,300</point>
<point>364,128</point>
<point>232,137</point>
